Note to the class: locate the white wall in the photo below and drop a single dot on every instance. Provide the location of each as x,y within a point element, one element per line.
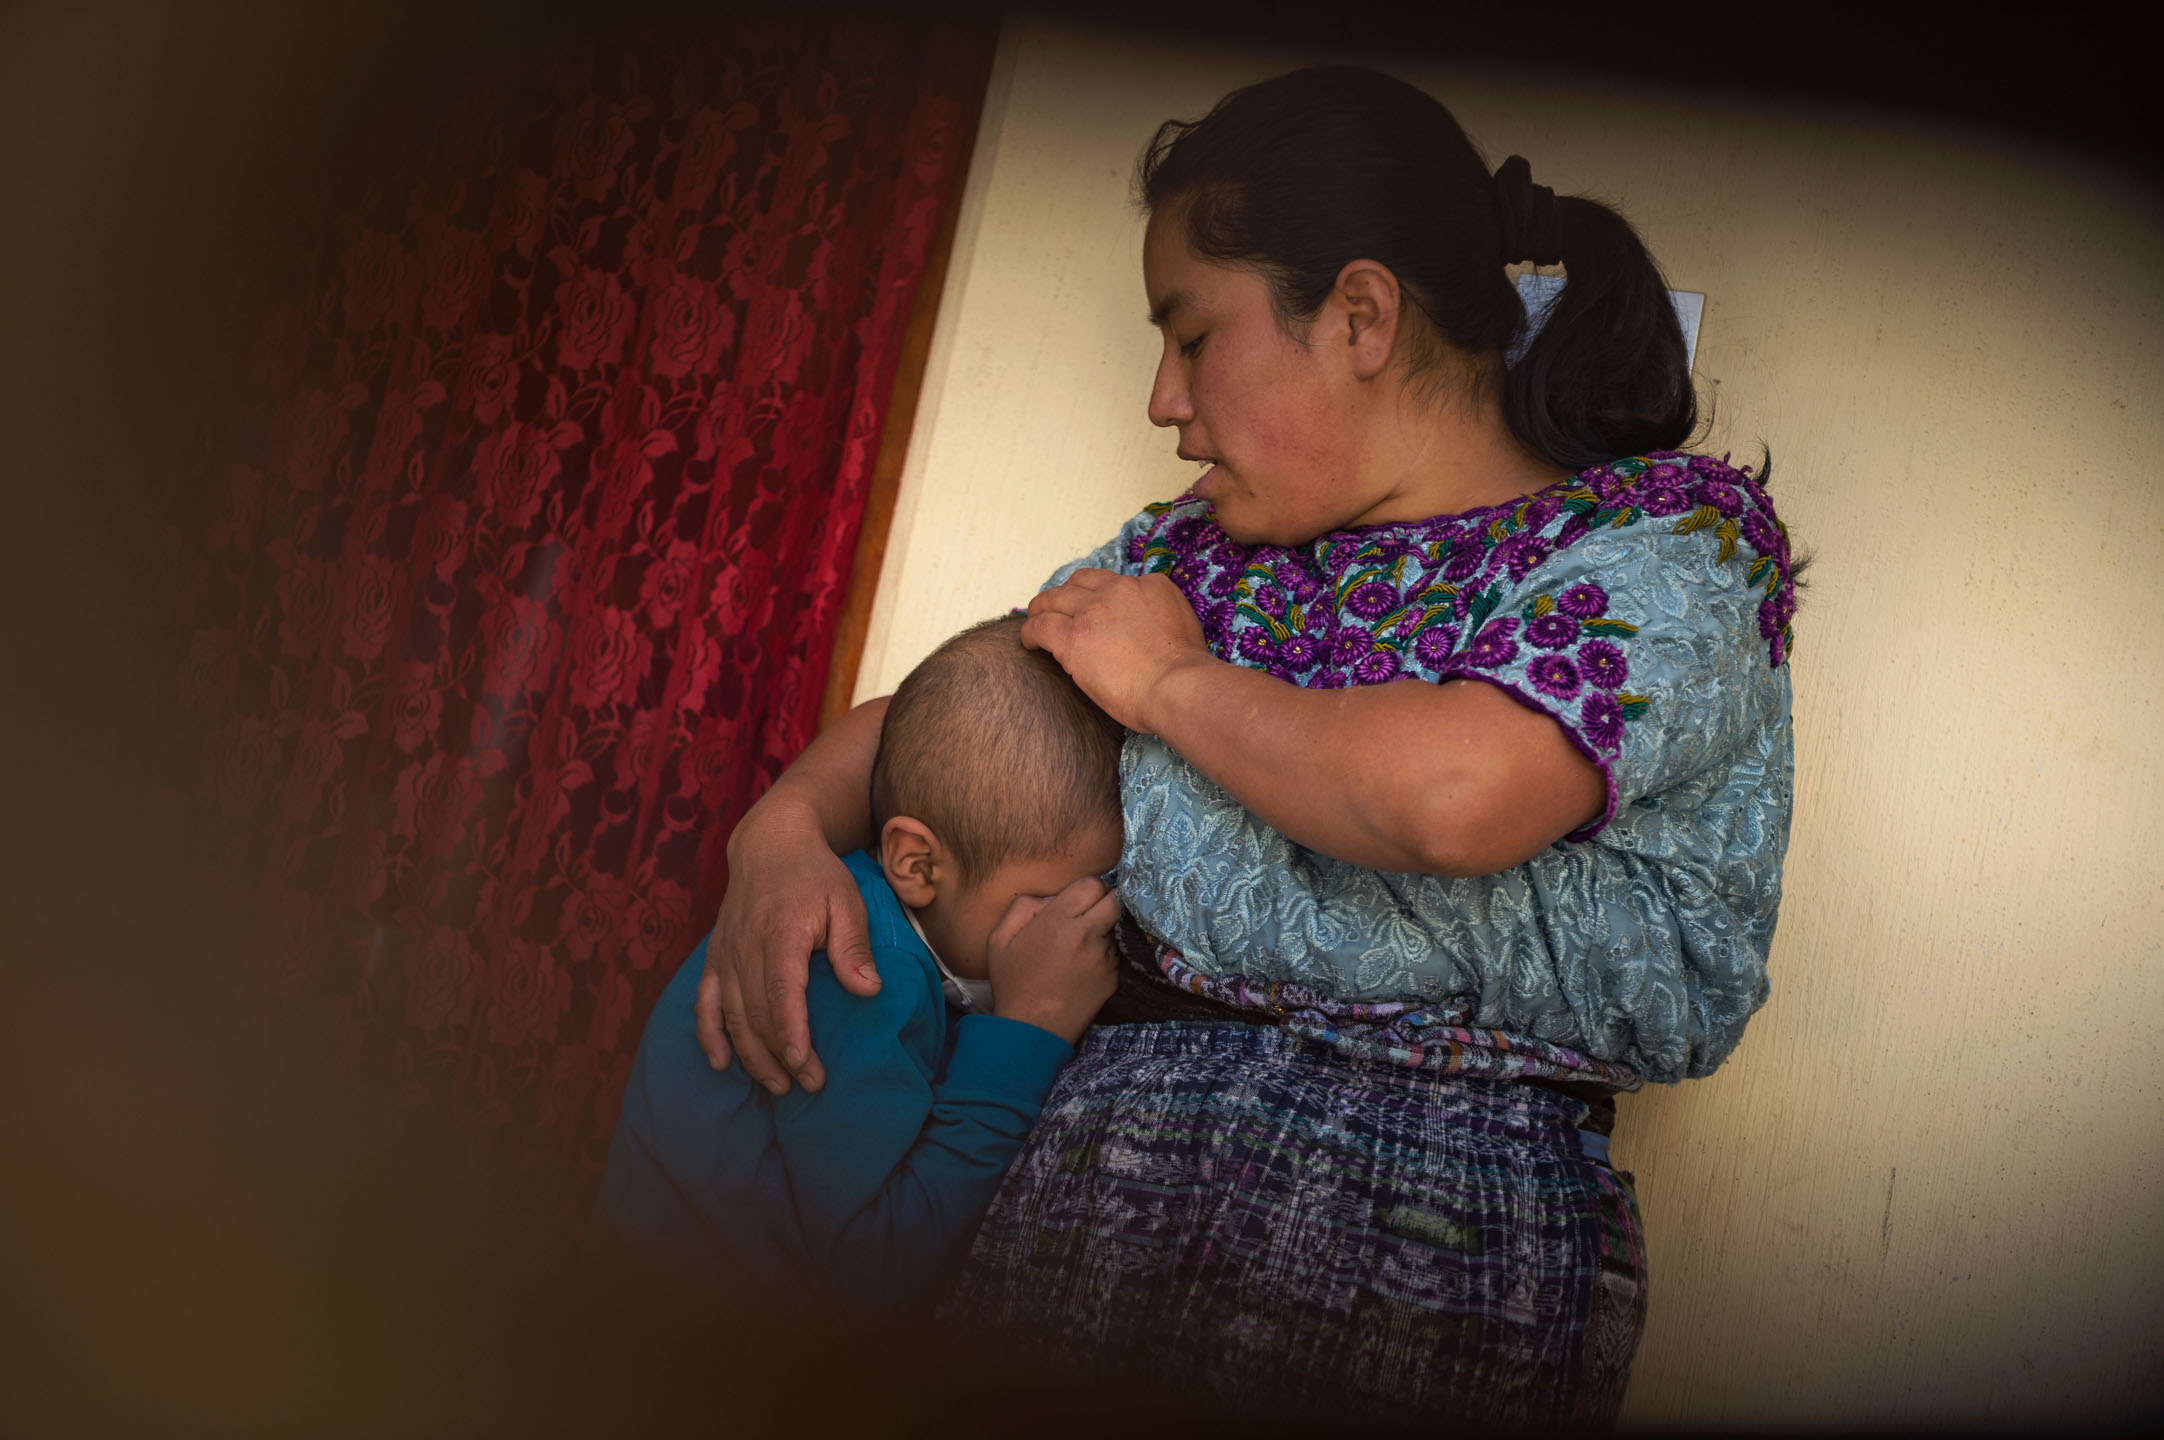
<point>1927,1184</point>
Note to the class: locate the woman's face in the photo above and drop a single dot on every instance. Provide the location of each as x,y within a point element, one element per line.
<point>1274,415</point>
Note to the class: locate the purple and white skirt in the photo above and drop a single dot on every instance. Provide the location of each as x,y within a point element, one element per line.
<point>1243,1212</point>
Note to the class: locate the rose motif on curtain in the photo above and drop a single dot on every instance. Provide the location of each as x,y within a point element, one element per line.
<point>519,561</point>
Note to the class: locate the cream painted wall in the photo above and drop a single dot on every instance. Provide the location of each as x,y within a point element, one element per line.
<point>1927,1186</point>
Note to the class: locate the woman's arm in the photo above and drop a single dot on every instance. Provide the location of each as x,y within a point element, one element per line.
<point>1452,779</point>
<point>788,896</point>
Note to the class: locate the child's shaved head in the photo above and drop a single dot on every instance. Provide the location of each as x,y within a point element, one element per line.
<point>996,750</point>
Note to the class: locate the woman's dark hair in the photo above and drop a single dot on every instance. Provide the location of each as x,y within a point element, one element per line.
<point>1298,175</point>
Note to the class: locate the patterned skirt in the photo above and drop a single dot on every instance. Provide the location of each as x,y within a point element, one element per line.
<point>1298,1234</point>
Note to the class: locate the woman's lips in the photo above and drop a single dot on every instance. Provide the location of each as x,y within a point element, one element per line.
<point>1201,486</point>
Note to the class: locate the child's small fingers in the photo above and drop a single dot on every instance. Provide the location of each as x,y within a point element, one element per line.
<point>1080,898</point>
<point>1103,912</point>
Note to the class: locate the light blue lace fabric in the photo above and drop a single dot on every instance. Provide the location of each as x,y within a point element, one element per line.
<point>1645,605</point>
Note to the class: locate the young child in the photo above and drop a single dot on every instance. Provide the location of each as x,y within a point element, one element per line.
<point>995,805</point>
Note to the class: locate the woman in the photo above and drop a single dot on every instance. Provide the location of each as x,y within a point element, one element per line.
<point>1456,802</point>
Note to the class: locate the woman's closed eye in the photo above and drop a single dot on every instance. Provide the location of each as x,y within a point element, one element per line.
<point>1190,347</point>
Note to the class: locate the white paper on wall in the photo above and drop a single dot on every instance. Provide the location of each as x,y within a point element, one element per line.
<point>1539,291</point>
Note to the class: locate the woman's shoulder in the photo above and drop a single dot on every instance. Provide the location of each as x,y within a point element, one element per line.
<point>1664,521</point>
<point>1155,538</point>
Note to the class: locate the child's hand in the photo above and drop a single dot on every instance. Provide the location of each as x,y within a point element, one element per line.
<point>1050,960</point>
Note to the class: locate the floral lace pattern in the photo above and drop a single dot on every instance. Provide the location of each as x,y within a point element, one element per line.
<point>527,531</point>
<point>1645,605</point>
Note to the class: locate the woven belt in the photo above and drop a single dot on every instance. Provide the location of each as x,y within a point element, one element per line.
<point>1145,997</point>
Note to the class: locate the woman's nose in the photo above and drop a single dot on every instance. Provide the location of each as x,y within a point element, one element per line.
<point>1169,400</point>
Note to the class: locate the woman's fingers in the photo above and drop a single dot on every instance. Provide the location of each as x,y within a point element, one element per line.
<point>849,945</point>
<point>713,1033</point>
<point>751,1051</point>
<point>790,1029</point>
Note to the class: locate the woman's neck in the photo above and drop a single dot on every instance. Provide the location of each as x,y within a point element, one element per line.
<point>1442,457</point>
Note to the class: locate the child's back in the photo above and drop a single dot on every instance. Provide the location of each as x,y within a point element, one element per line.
<point>865,1194</point>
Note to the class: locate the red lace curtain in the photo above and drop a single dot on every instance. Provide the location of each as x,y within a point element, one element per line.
<point>531,540</point>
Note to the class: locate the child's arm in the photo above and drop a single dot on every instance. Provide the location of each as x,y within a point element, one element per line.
<point>890,1166</point>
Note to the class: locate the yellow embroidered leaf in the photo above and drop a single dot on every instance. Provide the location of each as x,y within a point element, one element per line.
<point>1728,533</point>
<point>1543,605</point>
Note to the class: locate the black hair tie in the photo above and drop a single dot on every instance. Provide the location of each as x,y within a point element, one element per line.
<point>1531,224</point>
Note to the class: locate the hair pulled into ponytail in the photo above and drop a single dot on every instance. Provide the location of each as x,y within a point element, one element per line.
<point>1298,175</point>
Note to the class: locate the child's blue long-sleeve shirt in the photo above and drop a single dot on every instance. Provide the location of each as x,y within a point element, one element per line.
<point>864,1195</point>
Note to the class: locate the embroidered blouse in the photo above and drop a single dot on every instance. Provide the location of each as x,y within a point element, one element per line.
<point>1645,605</point>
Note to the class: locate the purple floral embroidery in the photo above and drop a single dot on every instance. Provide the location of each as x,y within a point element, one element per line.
<point>1464,562</point>
<point>1433,646</point>
<point>1553,675</point>
<point>1601,718</point>
<point>1720,498</point>
<point>1494,645</point>
<point>1583,602</point>
<point>1373,600</point>
<point>1775,612</point>
<point>1664,500</point>
<point>1485,563</point>
<point>1551,632</point>
<point>1520,553</point>
<point>1760,534</point>
<point>1602,665</point>
<point>1375,667</point>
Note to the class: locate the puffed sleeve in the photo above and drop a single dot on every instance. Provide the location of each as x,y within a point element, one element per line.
<point>1649,637</point>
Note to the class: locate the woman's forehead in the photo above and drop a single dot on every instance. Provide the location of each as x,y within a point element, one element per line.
<point>1177,281</point>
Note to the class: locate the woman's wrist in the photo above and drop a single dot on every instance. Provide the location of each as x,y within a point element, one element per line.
<point>1176,693</point>
<point>777,820</point>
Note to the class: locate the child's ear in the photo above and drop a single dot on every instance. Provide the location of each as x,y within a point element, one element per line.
<point>913,859</point>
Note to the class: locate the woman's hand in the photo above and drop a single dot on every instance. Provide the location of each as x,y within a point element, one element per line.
<point>1050,958</point>
<point>1119,636</point>
<point>788,896</point>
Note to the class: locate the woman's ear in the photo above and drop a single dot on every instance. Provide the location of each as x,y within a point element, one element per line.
<point>913,859</point>
<point>1372,303</point>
